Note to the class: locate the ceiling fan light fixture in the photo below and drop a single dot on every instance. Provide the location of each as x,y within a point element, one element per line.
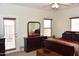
<point>55,5</point>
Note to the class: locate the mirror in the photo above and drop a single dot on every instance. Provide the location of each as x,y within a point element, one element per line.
<point>33,29</point>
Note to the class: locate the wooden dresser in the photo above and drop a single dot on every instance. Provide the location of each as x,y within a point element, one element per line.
<point>2,46</point>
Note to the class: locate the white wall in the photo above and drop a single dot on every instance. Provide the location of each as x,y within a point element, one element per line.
<point>62,21</point>
<point>22,15</point>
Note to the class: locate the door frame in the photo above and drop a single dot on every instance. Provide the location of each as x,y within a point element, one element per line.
<point>10,18</point>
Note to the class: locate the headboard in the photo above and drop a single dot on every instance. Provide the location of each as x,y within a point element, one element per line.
<point>71,35</point>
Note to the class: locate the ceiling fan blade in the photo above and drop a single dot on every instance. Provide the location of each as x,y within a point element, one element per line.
<point>48,5</point>
<point>64,4</point>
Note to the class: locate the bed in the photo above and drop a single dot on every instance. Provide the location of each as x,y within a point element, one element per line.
<point>67,45</point>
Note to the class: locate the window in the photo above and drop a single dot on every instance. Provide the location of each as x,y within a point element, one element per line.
<point>74,24</point>
<point>47,27</point>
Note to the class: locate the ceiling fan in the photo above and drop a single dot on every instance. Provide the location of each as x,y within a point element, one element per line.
<point>57,5</point>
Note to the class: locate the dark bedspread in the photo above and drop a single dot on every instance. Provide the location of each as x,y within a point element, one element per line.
<point>64,47</point>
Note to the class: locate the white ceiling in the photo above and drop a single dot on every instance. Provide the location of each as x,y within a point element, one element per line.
<point>47,6</point>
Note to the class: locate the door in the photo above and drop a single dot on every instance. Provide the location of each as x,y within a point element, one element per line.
<point>9,31</point>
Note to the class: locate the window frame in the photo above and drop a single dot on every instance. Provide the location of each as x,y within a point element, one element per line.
<point>71,22</point>
<point>48,27</point>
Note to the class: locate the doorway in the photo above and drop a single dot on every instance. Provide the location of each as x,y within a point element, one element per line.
<point>9,31</point>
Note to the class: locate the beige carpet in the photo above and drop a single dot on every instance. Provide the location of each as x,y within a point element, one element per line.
<point>22,53</point>
<point>39,52</point>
